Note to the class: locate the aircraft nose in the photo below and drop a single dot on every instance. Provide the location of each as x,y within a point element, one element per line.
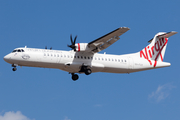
<point>6,58</point>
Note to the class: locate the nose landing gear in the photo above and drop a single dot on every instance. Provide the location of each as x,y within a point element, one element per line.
<point>74,76</point>
<point>14,67</point>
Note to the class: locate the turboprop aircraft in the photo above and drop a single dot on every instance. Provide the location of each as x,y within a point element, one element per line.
<point>84,57</point>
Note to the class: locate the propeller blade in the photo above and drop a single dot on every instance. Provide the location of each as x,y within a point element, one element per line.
<point>75,40</point>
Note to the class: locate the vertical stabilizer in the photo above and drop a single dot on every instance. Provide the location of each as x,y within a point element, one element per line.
<point>155,51</point>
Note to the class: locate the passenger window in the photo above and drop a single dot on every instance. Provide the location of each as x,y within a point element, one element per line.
<point>81,57</point>
<point>84,57</point>
<point>58,55</point>
<point>47,54</point>
<point>44,54</point>
<point>54,55</point>
<point>124,60</point>
<point>78,56</point>
<point>121,60</point>
<point>88,57</point>
<point>109,59</point>
<point>116,60</point>
<point>98,58</point>
<point>105,59</point>
<point>102,59</point>
<point>112,59</point>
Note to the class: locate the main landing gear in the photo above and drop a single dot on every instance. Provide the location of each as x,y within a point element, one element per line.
<point>84,69</point>
<point>88,71</point>
<point>14,67</point>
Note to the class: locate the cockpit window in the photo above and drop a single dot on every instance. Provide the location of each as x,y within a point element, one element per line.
<point>18,50</point>
<point>13,51</point>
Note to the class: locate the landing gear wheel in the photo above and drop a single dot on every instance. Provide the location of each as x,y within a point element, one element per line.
<point>14,69</point>
<point>75,77</point>
<point>88,71</point>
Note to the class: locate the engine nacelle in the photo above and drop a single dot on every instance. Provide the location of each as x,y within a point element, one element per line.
<point>81,47</point>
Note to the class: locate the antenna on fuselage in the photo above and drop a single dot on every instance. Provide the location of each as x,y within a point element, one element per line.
<point>49,48</point>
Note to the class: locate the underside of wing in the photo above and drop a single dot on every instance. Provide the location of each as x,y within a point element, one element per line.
<point>106,40</point>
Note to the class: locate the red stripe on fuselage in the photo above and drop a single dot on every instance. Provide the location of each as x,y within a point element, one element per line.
<point>78,47</point>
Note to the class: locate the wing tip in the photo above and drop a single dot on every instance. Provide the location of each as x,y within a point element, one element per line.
<point>124,28</point>
<point>174,32</point>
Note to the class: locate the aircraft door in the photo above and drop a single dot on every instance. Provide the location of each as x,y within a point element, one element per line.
<point>130,63</point>
<point>59,57</point>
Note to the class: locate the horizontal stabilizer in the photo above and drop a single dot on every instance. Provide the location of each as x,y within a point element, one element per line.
<point>167,35</point>
<point>150,40</point>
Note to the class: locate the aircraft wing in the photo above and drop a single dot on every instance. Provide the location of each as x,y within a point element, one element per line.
<point>107,40</point>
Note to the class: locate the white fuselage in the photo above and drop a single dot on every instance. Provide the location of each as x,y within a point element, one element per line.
<point>84,57</point>
<point>71,61</point>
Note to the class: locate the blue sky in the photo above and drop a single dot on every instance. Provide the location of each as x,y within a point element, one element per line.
<point>47,94</point>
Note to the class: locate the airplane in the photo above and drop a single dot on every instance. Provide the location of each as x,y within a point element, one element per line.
<point>84,57</point>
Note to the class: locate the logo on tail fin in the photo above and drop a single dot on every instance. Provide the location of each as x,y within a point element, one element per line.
<point>155,50</point>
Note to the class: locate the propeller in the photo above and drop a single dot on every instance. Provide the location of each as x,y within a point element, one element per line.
<point>72,43</point>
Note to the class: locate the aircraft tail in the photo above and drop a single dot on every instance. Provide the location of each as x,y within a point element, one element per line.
<point>155,51</point>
